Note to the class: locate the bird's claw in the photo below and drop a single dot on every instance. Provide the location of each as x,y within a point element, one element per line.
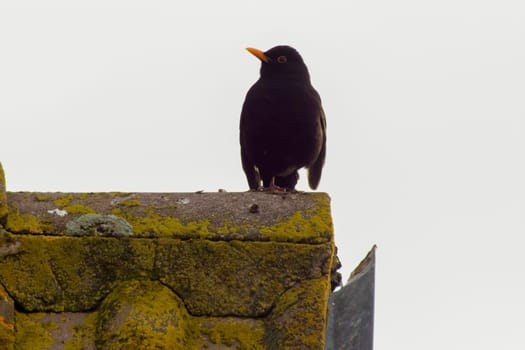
<point>274,189</point>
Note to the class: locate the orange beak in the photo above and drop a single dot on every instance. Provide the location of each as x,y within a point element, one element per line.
<point>259,54</point>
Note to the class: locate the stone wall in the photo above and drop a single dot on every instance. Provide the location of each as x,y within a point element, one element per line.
<point>164,270</point>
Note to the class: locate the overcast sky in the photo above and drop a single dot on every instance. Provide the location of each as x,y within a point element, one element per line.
<point>426,131</point>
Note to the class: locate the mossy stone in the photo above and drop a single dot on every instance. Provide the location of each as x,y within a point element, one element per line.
<point>301,218</point>
<point>72,274</point>
<point>7,320</point>
<point>3,197</point>
<point>32,333</point>
<point>200,271</point>
<point>236,278</point>
<point>25,223</point>
<point>143,314</point>
<point>299,318</point>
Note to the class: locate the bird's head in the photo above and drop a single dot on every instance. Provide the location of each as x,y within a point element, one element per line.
<point>281,61</point>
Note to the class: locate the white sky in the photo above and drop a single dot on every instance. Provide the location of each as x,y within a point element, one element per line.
<point>426,132</point>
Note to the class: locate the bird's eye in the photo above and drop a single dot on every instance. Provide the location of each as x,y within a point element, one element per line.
<point>282,59</point>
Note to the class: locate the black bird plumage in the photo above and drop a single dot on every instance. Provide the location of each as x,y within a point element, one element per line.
<point>283,125</point>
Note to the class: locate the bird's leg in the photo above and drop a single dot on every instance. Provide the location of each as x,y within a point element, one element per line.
<point>273,188</point>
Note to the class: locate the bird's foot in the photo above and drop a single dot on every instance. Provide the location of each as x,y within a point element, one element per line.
<point>274,189</point>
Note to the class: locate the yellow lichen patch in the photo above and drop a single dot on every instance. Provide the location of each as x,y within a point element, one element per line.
<point>230,229</point>
<point>143,256</point>
<point>193,287</point>
<point>57,273</point>
<point>153,224</point>
<point>118,194</point>
<point>72,274</point>
<point>5,324</point>
<point>3,294</point>
<point>236,333</point>
<point>299,318</point>
<point>262,271</point>
<point>130,203</point>
<point>83,336</point>
<point>42,198</point>
<point>3,196</point>
<point>78,209</point>
<point>32,334</point>
<point>67,330</point>
<point>27,274</point>
<point>74,344</point>
<point>312,226</point>
<point>25,223</point>
<point>144,315</point>
<point>64,200</point>
<point>278,287</point>
<point>83,195</point>
<point>7,335</point>
<point>7,329</point>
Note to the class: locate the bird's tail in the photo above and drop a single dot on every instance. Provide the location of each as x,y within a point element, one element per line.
<point>315,170</point>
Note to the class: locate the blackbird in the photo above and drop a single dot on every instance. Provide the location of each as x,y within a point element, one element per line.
<point>283,125</point>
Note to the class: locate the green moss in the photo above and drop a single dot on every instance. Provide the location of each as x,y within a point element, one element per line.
<point>25,223</point>
<point>32,334</point>
<point>78,209</point>
<point>64,200</point>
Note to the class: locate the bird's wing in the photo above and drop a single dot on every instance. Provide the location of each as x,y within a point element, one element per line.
<point>252,175</point>
<point>315,170</point>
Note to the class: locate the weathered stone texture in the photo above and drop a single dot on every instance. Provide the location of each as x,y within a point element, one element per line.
<point>199,270</point>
